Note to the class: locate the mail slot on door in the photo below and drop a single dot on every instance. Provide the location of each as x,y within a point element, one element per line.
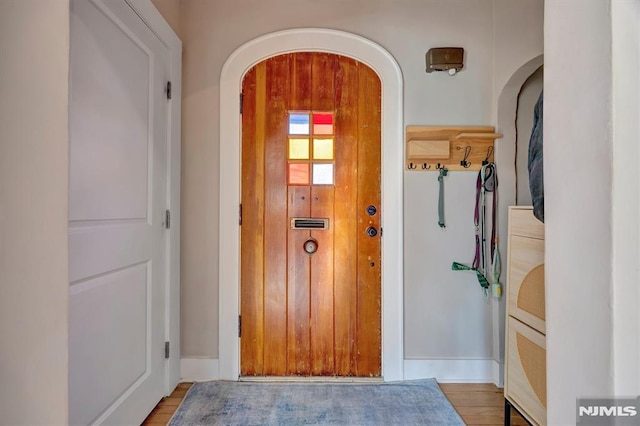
<point>309,223</point>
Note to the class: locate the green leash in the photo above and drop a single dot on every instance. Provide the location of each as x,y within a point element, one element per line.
<point>481,278</point>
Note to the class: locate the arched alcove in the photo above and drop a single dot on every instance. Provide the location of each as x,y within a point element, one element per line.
<point>363,50</point>
<point>507,110</point>
<point>504,156</point>
<point>527,99</point>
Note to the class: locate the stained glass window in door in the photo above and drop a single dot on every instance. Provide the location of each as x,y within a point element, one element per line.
<point>311,148</point>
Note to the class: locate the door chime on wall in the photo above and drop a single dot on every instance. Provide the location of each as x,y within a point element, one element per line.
<point>445,59</point>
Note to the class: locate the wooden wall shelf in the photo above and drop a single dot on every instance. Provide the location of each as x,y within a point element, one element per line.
<point>430,147</point>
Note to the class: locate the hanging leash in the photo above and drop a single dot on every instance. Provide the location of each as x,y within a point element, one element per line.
<point>491,185</point>
<point>441,176</point>
<point>487,181</point>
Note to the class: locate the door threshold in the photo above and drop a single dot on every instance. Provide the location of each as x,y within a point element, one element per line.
<point>311,379</point>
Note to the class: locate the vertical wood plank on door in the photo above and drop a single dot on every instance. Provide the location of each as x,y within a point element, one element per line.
<point>322,278</point>
<point>345,223</point>
<point>298,285</point>
<point>252,247</point>
<point>298,314</point>
<point>369,289</point>
<point>301,81</point>
<point>322,73</point>
<point>275,216</point>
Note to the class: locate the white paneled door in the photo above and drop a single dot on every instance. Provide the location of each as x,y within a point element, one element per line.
<point>117,201</point>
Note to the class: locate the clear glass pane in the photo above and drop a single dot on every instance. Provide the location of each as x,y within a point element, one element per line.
<point>322,124</point>
<point>323,149</point>
<point>298,124</point>
<point>298,174</point>
<point>322,174</point>
<point>298,149</point>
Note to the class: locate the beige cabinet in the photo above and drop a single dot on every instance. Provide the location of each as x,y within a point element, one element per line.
<point>525,358</point>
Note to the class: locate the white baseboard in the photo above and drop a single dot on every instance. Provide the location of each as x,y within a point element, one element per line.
<point>199,369</point>
<point>499,374</point>
<point>453,370</point>
<point>443,370</point>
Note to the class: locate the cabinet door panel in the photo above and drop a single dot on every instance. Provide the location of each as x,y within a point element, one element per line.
<point>526,379</point>
<point>522,222</point>
<point>526,281</point>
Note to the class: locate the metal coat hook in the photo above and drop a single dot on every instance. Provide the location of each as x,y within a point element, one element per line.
<point>464,163</point>
<point>412,166</point>
<point>441,166</point>
<point>489,152</point>
<point>426,166</point>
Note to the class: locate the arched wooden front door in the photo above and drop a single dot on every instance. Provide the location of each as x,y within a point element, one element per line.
<point>311,180</point>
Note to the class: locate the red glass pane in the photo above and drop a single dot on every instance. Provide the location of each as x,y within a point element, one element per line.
<point>298,174</point>
<point>322,118</point>
<point>322,124</point>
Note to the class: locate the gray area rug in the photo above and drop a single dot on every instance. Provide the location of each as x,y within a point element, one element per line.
<point>419,402</point>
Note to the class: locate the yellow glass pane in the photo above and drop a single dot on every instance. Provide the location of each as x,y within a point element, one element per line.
<point>298,149</point>
<point>323,149</point>
<point>298,174</point>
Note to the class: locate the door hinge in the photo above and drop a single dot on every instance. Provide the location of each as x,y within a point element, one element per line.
<point>166,350</point>
<point>167,219</point>
<point>240,215</point>
<point>168,90</point>
<point>381,232</point>
<point>241,102</point>
<point>239,325</point>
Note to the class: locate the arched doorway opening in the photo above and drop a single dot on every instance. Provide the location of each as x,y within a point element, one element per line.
<point>363,50</point>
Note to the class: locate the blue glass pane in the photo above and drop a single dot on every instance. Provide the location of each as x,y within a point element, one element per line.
<point>298,124</point>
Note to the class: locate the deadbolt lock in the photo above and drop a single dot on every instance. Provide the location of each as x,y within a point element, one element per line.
<point>372,210</point>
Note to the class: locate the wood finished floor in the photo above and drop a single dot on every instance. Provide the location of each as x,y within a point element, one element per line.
<point>477,404</point>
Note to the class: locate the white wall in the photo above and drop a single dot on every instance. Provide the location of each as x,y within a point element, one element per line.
<point>626,196</point>
<point>170,11</point>
<point>446,315</point>
<point>517,35</point>
<point>579,176</point>
<point>518,41</point>
<point>34,57</point>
